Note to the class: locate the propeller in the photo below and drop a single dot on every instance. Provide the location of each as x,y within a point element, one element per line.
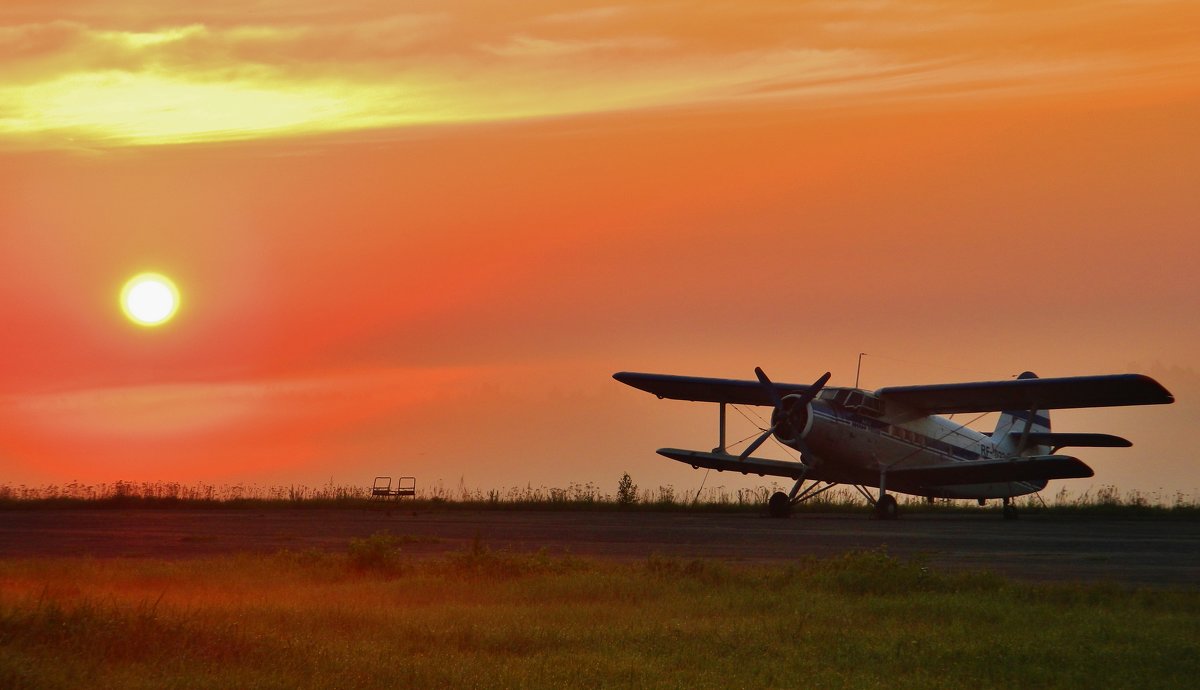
<point>783,411</point>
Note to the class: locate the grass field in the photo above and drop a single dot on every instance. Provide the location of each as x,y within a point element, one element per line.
<point>373,618</point>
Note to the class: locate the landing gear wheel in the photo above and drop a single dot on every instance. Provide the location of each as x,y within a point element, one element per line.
<point>779,506</point>
<point>1010,511</point>
<point>886,508</point>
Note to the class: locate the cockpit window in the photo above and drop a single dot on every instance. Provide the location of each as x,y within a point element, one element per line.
<point>858,401</point>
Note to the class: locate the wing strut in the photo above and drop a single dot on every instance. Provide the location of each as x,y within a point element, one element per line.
<point>721,423</point>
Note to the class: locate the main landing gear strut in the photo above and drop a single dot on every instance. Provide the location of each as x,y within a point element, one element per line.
<point>886,507</point>
<point>780,504</point>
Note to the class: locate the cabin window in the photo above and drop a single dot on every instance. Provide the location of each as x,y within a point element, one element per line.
<point>872,405</point>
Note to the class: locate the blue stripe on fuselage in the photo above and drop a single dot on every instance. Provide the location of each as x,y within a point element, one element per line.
<point>923,441</point>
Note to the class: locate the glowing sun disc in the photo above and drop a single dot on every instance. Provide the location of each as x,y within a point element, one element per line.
<point>149,299</point>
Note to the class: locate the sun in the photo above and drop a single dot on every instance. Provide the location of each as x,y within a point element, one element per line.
<point>149,299</point>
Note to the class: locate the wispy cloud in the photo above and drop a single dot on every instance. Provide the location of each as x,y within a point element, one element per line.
<point>525,46</point>
<point>181,410</point>
<point>115,81</point>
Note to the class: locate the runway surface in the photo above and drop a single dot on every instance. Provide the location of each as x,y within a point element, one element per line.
<point>1146,552</point>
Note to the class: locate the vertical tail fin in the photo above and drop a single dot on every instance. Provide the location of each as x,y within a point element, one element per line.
<point>1014,423</point>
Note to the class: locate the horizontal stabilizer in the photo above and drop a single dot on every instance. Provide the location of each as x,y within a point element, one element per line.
<point>1030,394</point>
<point>1073,440</point>
<point>1018,469</point>
<point>725,462</point>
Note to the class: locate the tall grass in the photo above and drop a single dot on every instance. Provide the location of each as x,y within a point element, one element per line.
<point>121,494</point>
<point>175,491</point>
<point>164,494</point>
<point>483,618</point>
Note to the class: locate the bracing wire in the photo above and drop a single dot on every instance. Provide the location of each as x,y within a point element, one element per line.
<point>735,444</point>
<point>791,452</point>
<point>743,413</point>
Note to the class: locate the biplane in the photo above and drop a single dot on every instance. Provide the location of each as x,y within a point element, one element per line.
<point>895,439</point>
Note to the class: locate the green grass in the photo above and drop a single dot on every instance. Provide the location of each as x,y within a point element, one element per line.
<point>375,618</point>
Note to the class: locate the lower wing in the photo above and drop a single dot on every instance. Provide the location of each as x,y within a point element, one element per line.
<point>726,462</point>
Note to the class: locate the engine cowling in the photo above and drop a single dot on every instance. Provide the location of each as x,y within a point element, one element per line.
<point>793,420</point>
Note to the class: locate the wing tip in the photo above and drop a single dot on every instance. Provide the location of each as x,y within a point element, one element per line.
<point>632,378</point>
<point>1155,391</point>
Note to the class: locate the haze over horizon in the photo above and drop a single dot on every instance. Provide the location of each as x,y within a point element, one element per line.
<point>419,239</point>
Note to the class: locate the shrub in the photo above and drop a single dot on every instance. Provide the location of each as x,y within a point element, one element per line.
<point>626,490</point>
<point>379,553</point>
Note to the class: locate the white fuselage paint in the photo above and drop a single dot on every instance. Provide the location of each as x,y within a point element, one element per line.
<point>853,447</point>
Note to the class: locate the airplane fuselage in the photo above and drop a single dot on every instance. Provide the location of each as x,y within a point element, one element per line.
<point>853,447</point>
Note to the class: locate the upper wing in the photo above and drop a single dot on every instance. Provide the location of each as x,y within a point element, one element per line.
<point>701,389</point>
<point>1030,394</point>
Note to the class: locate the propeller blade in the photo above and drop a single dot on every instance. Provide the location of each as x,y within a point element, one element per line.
<point>807,396</point>
<point>766,382</point>
<point>757,442</point>
<point>801,399</point>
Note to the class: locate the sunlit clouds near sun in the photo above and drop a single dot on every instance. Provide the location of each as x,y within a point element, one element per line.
<point>171,75</point>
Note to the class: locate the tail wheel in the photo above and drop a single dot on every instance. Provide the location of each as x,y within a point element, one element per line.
<point>779,506</point>
<point>1010,511</point>
<point>886,508</point>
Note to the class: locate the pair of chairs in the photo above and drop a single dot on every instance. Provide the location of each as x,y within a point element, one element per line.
<point>382,489</point>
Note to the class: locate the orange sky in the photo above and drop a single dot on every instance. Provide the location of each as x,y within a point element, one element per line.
<point>419,238</point>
